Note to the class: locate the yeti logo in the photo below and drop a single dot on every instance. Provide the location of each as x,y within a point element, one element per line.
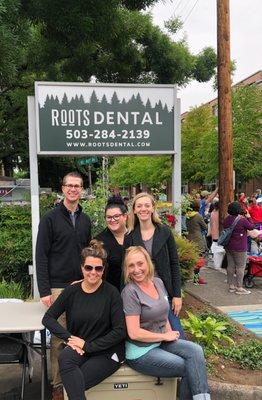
<point>120,385</point>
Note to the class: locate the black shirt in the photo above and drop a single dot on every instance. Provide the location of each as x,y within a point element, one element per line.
<point>97,317</point>
<point>58,248</point>
<point>115,254</point>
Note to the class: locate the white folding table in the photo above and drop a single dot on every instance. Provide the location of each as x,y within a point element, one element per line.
<point>26,317</point>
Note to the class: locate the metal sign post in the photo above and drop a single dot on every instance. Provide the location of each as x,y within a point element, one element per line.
<point>34,183</point>
<point>176,164</point>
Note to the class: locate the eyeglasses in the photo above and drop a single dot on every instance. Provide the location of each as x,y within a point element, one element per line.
<point>115,217</point>
<point>70,186</point>
<point>97,268</point>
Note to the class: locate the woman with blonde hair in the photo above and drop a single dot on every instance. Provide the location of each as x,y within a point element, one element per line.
<point>146,229</point>
<point>152,347</point>
<point>94,338</point>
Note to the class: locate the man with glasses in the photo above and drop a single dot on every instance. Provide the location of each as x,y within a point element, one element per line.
<point>63,233</point>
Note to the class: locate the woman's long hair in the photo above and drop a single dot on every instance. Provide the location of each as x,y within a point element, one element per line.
<point>133,250</point>
<point>132,217</point>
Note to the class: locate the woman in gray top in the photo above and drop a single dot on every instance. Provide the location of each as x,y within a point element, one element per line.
<point>146,229</point>
<point>153,348</point>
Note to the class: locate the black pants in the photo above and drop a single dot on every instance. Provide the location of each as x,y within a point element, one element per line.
<point>79,373</point>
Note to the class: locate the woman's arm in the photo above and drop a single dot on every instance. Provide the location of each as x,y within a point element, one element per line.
<point>53,313</point>
<point>142,335</point>
<point>248,222</point>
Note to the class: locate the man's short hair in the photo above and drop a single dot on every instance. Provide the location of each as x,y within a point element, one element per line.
<point>72,175</point>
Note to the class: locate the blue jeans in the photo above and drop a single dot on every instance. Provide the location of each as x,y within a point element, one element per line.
<point>180,358</point>
<point>175,323</point>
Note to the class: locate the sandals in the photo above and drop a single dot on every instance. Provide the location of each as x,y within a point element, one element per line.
<point>242,291</point>
<point>232,289</point>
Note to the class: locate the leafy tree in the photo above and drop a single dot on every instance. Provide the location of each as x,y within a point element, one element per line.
<point>13,125</point>
<point>111,40</point>
<point>247,131</point>
<point>152,171</point>
<point>204,64</point>
<point>200,138</point>
<point>14,38</point>
<point>199,145</point>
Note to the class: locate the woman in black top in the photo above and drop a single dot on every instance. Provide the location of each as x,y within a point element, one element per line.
<point>95,326</point>
<point>146,229</point>
<point>113,238</point>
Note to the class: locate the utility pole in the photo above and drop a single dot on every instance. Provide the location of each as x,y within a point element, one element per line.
<point>226,194</point>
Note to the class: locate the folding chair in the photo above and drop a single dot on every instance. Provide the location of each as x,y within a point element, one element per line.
<point>13,350</point>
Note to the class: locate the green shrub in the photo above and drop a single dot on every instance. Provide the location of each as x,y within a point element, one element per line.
<point>16,240</point>
<point>208,332</point>
<point>188,255</point>
<point>12,290</point>
<point>247,354</point>
<point>95,208</point>
<point>47,202</point>
<point>15,243</point>
<point>231,328</point>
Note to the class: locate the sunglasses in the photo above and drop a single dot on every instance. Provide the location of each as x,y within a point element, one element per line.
<point>97,268</point>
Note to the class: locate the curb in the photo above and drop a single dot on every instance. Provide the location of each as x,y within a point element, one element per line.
<point>229,391</point>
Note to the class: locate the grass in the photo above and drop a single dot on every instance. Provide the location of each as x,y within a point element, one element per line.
<point>11,290</point>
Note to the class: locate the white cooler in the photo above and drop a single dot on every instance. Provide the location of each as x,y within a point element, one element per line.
<point>127,384</point>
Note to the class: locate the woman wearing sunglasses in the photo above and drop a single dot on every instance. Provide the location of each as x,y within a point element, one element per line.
<point>113,238</point>
<point>94,347</point>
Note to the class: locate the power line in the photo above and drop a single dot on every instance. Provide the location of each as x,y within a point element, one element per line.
<point>175,9</point>
<point>190,12</point>
<point>185,8</point>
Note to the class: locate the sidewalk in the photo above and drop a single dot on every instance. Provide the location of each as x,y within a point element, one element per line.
<point>215,292</point>
<point>10,378</point>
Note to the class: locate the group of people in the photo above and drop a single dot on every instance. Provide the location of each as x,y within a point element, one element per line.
<point>114,298</point>
<point>203,222</point>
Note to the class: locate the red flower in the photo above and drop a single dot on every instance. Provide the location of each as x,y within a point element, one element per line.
<point>200,263</point>
<point>171,219</point>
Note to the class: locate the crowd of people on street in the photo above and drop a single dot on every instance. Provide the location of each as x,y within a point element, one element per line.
<point>244,219</point>
<point>117,297</point>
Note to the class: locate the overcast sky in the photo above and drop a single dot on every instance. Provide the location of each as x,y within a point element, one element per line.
<point>199,17</point>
